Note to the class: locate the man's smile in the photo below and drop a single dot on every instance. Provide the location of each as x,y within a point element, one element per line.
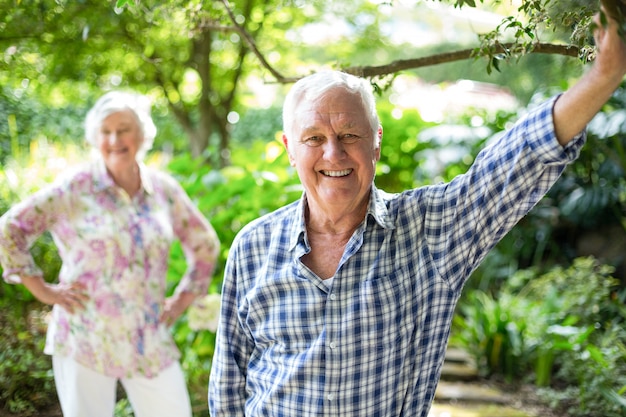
<point>341,173</point>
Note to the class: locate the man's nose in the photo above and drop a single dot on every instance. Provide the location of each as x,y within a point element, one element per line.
<point>334,149</point>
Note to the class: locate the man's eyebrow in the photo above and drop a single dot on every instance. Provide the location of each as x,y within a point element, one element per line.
<point>309,129</point>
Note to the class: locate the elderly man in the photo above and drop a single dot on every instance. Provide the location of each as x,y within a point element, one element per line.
<point>340,303</point>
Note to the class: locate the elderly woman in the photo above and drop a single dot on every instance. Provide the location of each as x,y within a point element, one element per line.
<point>113,221</point>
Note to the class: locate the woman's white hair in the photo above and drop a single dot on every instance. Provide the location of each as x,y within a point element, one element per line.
<point>116,101</point>
<point>314,86</point>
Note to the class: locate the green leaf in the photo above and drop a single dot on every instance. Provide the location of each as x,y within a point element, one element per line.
<point>614,397</point>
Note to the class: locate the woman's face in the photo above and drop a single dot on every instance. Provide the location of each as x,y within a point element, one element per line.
<point>119,140</point>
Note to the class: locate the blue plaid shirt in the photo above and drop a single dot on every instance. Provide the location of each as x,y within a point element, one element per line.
<point>374,342</point>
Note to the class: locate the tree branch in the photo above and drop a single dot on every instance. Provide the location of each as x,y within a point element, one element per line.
<point>252,45</point>
<point>405,64</point>
<point>400,65</point>
<point>370,70</point>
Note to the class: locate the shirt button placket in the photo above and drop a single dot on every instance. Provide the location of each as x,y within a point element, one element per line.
<point>332,357</point>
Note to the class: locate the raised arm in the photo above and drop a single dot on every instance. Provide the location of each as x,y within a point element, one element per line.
<point>578,105</point>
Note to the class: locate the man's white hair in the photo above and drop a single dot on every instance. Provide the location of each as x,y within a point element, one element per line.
<point>314,86</point>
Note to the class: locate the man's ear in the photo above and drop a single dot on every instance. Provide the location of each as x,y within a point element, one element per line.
<point>292,160</point>
<point>379,140</point>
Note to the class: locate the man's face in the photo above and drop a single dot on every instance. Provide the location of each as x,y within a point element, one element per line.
<point>334,151</point>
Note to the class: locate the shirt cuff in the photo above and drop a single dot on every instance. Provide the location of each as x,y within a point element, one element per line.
<point>539,122</point>
<point>13,276</point>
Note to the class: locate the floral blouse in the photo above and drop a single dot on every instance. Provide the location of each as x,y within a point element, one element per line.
<point>118,247</point>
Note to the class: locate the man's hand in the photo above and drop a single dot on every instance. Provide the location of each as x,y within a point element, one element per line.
<point>577,106</point>
<point>615,9</point>
<point>609,34</point>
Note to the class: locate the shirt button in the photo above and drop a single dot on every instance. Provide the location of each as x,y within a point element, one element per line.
<point>331,397</point>
<point>332,345</point>
<point>333,296</point>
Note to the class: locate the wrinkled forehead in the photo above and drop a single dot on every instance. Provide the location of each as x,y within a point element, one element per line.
<point>336,104</point>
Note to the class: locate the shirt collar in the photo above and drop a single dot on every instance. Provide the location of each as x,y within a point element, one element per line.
<point>377,209</point>
<point>298,227</point>
<point>102,179</point>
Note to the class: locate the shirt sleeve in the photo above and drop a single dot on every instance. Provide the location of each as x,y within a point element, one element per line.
<point>198,239</point>
<point>466,218</point>
<point>227,384</point>
<point>20,227</point>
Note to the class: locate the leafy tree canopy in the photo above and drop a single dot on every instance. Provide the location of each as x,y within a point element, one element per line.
<point>203,61</point>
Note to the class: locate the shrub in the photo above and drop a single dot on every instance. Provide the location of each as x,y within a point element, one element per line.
<point>25,373</point>
<point>493,331</point>
<point>564,325</point>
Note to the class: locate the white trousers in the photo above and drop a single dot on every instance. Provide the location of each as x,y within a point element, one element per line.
<point>86,393</point>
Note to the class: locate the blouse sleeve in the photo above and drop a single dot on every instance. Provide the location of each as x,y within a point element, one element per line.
<point>20,227</point>
<point>198,240</point>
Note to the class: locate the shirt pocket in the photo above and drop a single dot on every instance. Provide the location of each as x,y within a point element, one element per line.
<point>384,312</point>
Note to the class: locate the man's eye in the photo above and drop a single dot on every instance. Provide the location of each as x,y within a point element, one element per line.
<point>313,141</point>
<point>349,138</point>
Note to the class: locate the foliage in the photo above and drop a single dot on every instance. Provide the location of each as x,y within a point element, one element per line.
<point>161,49</point>
<point>123,408</point>
<point>534,20</point>
<point>596,376</point>
<point>493,331</point>
<point>564,325</point>
<point>259,181</point>
<point>26,383</point>
<point>24,120</point>
<point>256,124</point>
<point>399,165</point>
<point>203,61</point>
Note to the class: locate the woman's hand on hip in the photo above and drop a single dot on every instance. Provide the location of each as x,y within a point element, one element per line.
<point>72,297</point>
<point>175,306</point>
